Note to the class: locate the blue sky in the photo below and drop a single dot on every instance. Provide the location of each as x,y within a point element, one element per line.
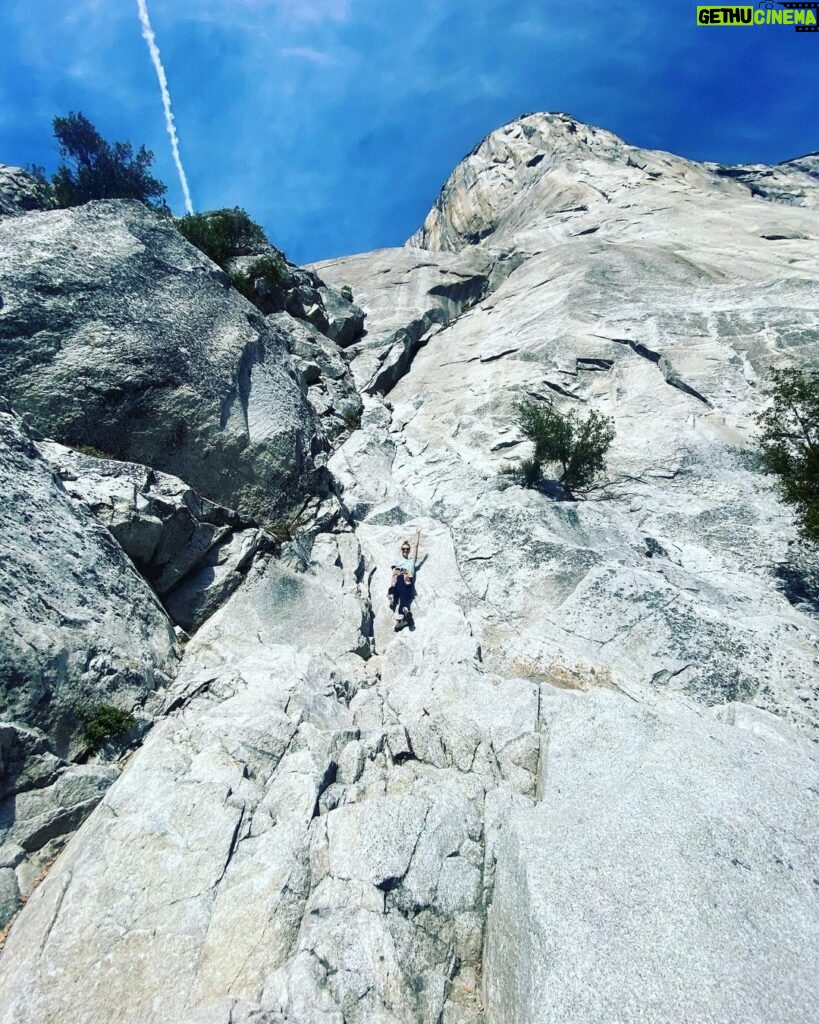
<point>335,122</point>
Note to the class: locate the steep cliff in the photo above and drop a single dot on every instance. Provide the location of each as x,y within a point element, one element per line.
<point>583,787</point>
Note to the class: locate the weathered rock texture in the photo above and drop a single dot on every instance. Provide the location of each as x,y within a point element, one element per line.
<point>664,874</point>
<point>792,182</point>
<point>338,824</point>
<point>77,625</point>
<point>325,374</point>
<point>193,552</point>
<point>337,803</point>
<point>302,293</point>
<point>116,334</point>
<point>412,297</point>
<point>20,192</point>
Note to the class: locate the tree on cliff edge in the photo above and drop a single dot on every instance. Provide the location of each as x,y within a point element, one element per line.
<point>790,443</point>
<point>96,169</point>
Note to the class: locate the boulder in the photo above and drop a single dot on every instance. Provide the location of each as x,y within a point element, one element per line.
<point>345,320</point>
<point>301,293</point>
<point>117,334</point>
<point>78,622</point>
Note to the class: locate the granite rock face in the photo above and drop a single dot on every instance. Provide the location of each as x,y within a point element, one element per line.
<point>792,182</point>
<point>583,786</point>
<point>118,335</point>
<point>20,192</point>
<point>77,625</point>
<point>193,552</point>
<point>639,884</point>
<point>672,579</point>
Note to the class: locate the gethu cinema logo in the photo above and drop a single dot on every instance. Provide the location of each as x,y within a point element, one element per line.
<point>803,16</point>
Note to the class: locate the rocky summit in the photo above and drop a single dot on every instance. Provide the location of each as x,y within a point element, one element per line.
<point>583,787</point>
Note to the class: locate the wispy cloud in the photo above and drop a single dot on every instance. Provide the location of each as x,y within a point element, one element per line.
<point>290,12</point>
<point>307,11</point>
<point>308,53</point>
<point>153,49</point>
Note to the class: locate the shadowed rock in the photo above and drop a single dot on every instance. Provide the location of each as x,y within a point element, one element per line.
<point>117,334</point>
<point>77,625</point>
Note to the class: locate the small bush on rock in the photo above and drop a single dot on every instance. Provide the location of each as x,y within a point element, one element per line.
<point>225,234</point>
<point>351,417</point>
<point>790,443</point>
<point>578,446</point>
<point>346,292</point>
<point>222,234</point>
<point>102,722</point>
<point>268,269</point>
<point>96,453</point>
<point>526,473</point>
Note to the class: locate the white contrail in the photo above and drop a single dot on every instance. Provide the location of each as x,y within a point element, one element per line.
<point>153,49</point>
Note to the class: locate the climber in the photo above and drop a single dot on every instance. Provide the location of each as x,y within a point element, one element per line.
<point>402,587</point>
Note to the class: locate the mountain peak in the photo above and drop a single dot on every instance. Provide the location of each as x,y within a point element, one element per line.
<point>531,174</point>
<point>498,175</point>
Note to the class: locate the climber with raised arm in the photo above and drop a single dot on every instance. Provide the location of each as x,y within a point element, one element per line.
<point>402,587</point>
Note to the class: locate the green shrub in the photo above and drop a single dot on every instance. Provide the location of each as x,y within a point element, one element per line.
<point>222,234</point>
<point>352,417</point>
<point>346,292</point>
<point>578,446</point>
<point>102,722</point>
<point>790,443</point>
<point>96,169</point>
<point>268,268</point>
